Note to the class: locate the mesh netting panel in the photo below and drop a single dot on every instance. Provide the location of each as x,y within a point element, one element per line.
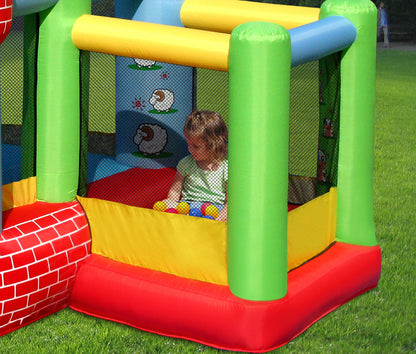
<point>110,174</point>
<point>304,120</point>
<point>303,132</point>
<point>101,122</point>
<point>101,93</point>
<point>136,114</point>
<point>15,102</point>
<point>212,91</point>
<point>152,102</point>
<point>12,76</point>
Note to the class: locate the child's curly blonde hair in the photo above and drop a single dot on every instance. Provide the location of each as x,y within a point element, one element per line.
<point>210,127</point>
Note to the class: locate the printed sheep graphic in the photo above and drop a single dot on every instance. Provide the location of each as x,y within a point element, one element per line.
<point>144,63</point>
<point>329,128</point>
<point>162,100</point>
<point>151,139</point>
<point>322,157</point>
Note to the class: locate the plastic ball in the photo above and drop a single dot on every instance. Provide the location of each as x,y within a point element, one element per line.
<point>204,207</point>
<point>208,217</point>
<point>183,208</point>
<point>159,206</point>
<point>172,211</point>
<point>195,212</point>
<point>212,210</point>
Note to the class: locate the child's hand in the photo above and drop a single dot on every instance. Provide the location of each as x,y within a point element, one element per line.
<point>170,203</point>
<point>222,216</point>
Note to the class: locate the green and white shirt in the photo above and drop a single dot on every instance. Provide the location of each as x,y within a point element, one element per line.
<point>201,185</point>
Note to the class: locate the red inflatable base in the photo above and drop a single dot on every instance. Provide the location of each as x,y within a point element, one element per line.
<point>210,314</point>
<point>41,248</point>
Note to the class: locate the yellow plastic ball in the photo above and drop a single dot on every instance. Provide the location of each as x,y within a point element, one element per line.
<point>159,206</point>
<point>183,208</point>
<point>212,210</point>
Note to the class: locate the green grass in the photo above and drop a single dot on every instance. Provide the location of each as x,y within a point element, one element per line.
<point>380,321</point>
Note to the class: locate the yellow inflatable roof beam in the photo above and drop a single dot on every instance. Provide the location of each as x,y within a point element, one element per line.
<point>135,39</point>
<point>224,16</point>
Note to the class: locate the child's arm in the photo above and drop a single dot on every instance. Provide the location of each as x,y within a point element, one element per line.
<point>175,190</point>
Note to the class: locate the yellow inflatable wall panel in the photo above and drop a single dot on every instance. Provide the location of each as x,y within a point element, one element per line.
<point>135,39</point>
<point>177,244</point>
<point>192,247</point>
<point>311,228</point>
<point>225,15</point>
<point>19,193</point>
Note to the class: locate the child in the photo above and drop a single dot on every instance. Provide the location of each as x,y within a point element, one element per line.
<point>202,176</point>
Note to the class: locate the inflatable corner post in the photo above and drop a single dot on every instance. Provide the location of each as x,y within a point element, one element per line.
<point>259,64</point>
<point>6,10</point>
<point>355,221</point>
<point>152,98</point>
<point>58,103</point>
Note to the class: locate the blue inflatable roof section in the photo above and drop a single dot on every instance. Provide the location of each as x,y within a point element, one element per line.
<point>27,7</point>
<point>319,39</point>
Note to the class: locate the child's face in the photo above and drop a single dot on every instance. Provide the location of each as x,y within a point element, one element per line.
<point>198,148</point>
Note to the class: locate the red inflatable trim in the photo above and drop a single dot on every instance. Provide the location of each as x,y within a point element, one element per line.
<point>149,186</point>
<point>210,314</point>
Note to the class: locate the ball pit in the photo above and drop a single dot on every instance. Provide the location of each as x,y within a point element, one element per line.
<point>207,210</point>
<point>204,207</point>
<point>195,212</point>
<point>183,208</point>
<point>172,211</point>
<point>212,210</point>
<point>159,206</point>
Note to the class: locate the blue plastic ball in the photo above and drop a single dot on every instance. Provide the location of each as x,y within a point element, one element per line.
<point>209,217</point>
<point>195,212</point>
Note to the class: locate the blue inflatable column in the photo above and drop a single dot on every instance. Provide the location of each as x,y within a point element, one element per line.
<point>152,98</point>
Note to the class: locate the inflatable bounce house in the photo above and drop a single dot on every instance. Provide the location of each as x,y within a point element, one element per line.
<point>94,96</point>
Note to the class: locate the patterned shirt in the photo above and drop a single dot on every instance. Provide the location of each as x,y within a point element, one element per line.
<point>201,185</point>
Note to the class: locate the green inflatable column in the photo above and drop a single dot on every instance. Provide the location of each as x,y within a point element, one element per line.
<point>355,221</point>
<point>259,80</point>
<point>58,102</point>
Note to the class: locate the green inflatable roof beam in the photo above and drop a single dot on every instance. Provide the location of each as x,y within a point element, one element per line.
<point>58,103</point>
<point>259,80</point>
<point>355,220</point>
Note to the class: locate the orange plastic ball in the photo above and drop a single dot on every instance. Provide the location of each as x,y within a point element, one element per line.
<point>204,208</point>
<point>183,208</point>
<point>212,210</point>
<point>159,206</point>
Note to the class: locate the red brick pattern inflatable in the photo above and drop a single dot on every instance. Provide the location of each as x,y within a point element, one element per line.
<point>5,18</point>
<point>39,256</point>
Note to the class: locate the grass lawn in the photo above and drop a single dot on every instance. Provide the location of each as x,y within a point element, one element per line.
<point>380,321</point>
